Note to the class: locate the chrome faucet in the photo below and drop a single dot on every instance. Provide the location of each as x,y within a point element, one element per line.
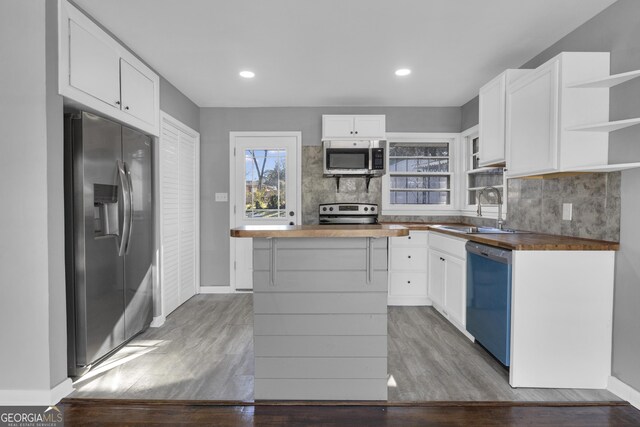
<point>499,221</point>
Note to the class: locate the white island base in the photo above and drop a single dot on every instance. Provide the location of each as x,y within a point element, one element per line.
<point>320,318</point>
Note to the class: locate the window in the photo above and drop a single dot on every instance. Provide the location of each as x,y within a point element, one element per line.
<point>265,195</point>
<point>419,173</point>
<point>480,177</point>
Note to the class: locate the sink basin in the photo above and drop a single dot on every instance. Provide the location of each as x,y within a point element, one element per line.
<point>468,229</point>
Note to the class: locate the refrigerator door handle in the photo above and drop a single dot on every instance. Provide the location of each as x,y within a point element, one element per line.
<point>124,182</point>
<point>130,184</point>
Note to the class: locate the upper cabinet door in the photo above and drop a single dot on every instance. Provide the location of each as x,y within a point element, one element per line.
<point>369,126</point>
<point>346,126</point>
<point>532,122</point>
<point>337,126</point>
<point>94,65</point>
<point>492,121</point>
<point>137,93</point>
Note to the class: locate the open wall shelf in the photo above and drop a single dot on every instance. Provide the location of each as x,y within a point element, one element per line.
<point>608,81</point>
<point>606,126</point>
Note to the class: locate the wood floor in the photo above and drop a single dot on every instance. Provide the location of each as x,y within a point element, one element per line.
<point>205,352</point>
<point>87,412</point>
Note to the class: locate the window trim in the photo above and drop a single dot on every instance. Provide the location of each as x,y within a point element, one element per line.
<point>416,137</point>
<point>467,210</point>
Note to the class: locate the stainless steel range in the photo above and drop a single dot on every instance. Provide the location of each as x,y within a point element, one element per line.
<point>348,213</point>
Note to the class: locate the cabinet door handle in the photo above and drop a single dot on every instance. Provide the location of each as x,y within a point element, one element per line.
<point>409,281</point>
<point>117,102</point>
<point>356,132</point>
<point>351,132</point>
<point>126,108</point>
<point>441,259</point>
<point>409,237</point>
<point>409,256</point>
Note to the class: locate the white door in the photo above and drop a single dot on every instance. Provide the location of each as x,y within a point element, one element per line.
<point>93,65</point>
<point>455,289</point>
<point>179,213</point>
<point>532,125</point>
<point>265,190</point>
<point>435,280</point>
<point>137,93</point>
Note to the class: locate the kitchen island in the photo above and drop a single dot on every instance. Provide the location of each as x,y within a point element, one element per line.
<point>320,310</point>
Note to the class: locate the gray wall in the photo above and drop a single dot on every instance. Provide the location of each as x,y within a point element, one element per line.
<point>616,30</point>
<point>176,104</point>
<point>470,112</point>
<point>32,307</point>
<point>216,123</point>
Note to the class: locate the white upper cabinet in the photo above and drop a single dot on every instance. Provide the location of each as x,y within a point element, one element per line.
<point>137,90</point>
<point>542,107</point>
<point>493,109</point>
<point>98,74</point>
<point>353,127</point>
<point>93,65</point>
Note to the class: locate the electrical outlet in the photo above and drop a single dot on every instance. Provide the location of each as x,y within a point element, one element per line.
<point>222,197</point>
<point>567,211</point>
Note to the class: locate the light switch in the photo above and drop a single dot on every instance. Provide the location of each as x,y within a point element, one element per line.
<point>222,197</point>
<point>567,211</point>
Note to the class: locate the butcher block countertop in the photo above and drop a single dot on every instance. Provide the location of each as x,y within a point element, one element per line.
<point>377,230</point>
<point>522,241</point>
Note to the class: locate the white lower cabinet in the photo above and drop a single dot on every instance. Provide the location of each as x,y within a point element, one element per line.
<point>447,278</point>
<point>408,269</point>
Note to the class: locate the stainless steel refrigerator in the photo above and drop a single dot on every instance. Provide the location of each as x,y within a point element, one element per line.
<point>109,237</point>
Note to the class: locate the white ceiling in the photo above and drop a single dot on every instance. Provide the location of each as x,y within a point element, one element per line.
<point>337,52</point>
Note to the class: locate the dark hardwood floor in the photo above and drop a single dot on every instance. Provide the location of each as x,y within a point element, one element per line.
<point>81,412</point>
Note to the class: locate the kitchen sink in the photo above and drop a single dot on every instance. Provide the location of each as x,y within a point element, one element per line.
<point>468,229</point>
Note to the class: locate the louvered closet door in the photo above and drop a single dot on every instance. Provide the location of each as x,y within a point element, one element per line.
<point>178,184</point>
<point>187,217</point>
<point>170,221</point>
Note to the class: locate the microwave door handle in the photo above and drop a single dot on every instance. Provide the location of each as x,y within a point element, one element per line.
<point>126,200</point>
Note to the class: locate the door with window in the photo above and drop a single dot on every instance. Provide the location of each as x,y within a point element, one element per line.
<point>265,190</point>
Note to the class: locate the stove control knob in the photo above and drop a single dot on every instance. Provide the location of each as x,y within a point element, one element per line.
<point>373,208</point>
<point>366,209</point>
<point>330,209</point>
<point>324,209</point>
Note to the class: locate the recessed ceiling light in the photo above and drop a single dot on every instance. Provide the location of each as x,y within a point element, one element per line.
<point>403,72</point>
<point>247,74</point>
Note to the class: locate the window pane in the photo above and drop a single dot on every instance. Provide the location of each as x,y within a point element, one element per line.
<point>491,177</point>
<point>412,181</point>
<point>420,197</point>
<point>473,197</point>
<point>475,146</point>
<point>418,165</point>
<point>265,173</point>
<point>438,149</point>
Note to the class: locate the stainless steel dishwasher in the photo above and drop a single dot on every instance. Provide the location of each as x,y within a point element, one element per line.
<point>489,298</point>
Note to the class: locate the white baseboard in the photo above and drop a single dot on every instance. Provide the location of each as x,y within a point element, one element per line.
<point>408,300</point>
<point>216,290</point>
<point>624,391</point>
<point>157,321</point>
<point>36,397</point>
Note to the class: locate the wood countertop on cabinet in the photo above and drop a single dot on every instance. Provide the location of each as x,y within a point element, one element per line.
<point>297,231</point>
<point>521,241</point>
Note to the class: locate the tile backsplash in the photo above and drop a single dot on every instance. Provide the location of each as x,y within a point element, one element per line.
<point>317,189</point>
<point>536,205</point>
<point>533,204</point>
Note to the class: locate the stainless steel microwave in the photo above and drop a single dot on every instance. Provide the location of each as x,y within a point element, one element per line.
<point>365,157</point>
